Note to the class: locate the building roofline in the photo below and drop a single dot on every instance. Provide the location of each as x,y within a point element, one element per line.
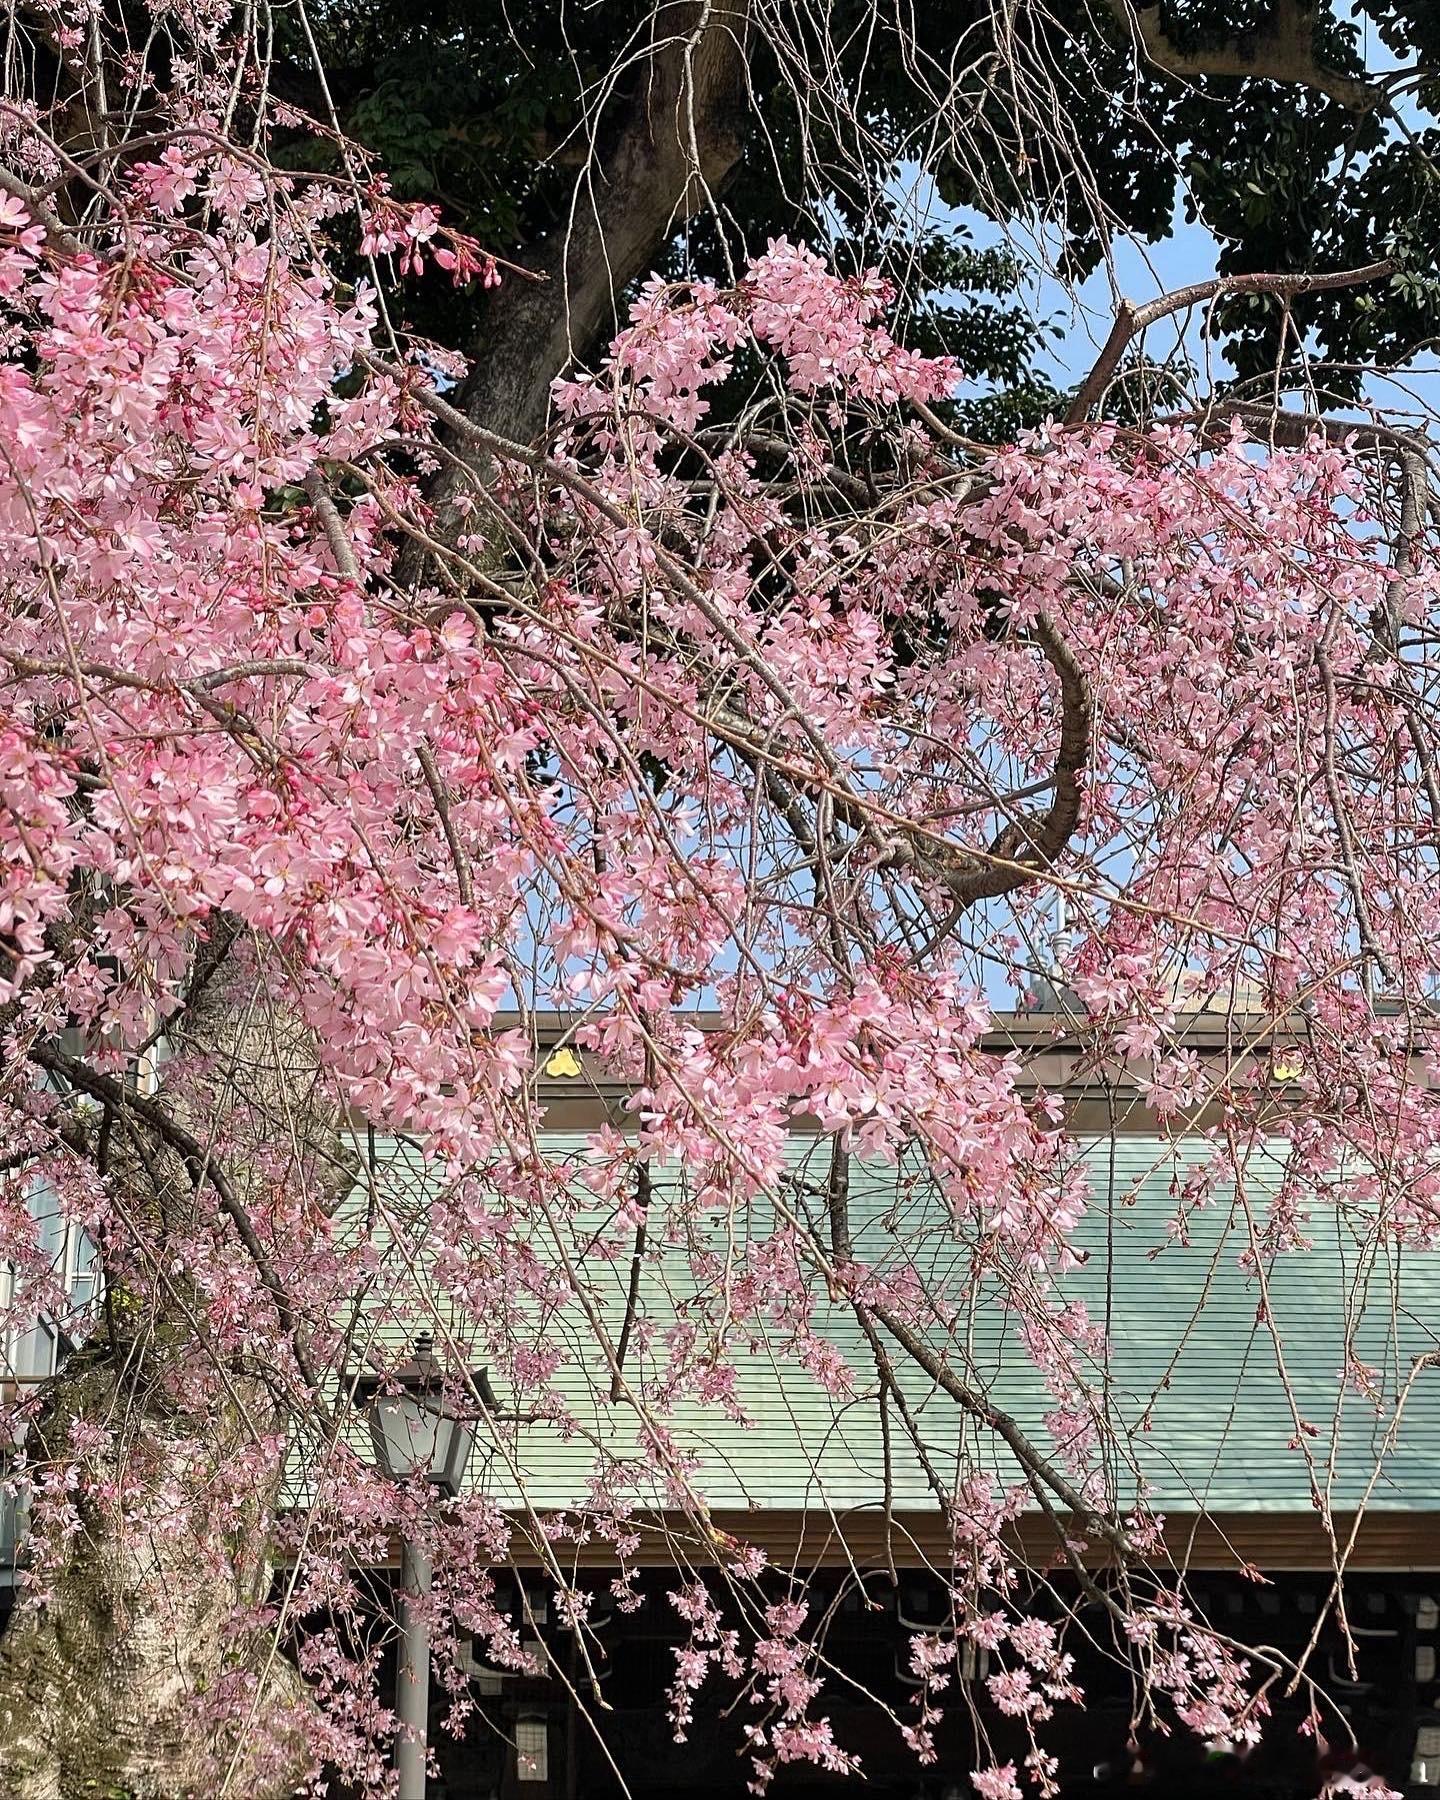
<point>1059,1053</point>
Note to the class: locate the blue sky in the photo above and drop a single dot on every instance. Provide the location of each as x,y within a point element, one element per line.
<point>1140,272</point>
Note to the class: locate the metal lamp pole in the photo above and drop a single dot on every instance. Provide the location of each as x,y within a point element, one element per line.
<point>412,1678</point>
<point>414,1433</point>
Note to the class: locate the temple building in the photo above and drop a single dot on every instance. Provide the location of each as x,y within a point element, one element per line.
<point>1280,1410</point>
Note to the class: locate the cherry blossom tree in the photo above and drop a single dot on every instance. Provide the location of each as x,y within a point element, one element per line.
<point>339,730</point>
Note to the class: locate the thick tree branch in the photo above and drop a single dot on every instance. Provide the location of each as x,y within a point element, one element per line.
<point>678,141</point>
<point>201,1167</point>
<point>643,1195</point>
<point>1130,321</point>
<point>1039,1470</point>
<point>58,235</point>
<point>1021,850</point>
<point>1283,51</point>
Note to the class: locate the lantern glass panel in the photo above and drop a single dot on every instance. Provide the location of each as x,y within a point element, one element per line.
<point>412,1436</point>
<point>404,1430</point>
<point>457,1442</point>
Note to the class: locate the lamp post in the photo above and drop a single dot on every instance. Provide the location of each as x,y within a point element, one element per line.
<point>414,1434</point>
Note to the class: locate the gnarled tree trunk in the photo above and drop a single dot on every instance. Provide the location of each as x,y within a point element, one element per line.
<point>104,1682</point>
<point>109,1667</point>
<point>675,143</point>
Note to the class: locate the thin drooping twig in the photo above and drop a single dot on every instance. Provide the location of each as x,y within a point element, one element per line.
<point>643,1194</point>
<point>1370,950</point>
<point>334,527</point>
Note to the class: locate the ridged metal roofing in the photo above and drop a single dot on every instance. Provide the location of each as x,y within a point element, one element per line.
<point>1222,1387</point>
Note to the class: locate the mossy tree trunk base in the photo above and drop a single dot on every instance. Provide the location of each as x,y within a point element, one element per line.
<point>111,1670</point>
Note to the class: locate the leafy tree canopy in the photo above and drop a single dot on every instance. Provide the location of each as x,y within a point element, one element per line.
<point>1302,137</point>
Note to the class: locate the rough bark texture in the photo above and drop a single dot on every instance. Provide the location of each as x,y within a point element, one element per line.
<point>1282,49</point>
<point>103,1680</point>
<point>100,1685</point>
<point>678,141</point>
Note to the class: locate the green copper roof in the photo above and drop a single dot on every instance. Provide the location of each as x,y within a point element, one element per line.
<point>1222,1387</point>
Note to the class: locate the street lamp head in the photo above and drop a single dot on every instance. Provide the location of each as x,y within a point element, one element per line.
<point>412,1430</point>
